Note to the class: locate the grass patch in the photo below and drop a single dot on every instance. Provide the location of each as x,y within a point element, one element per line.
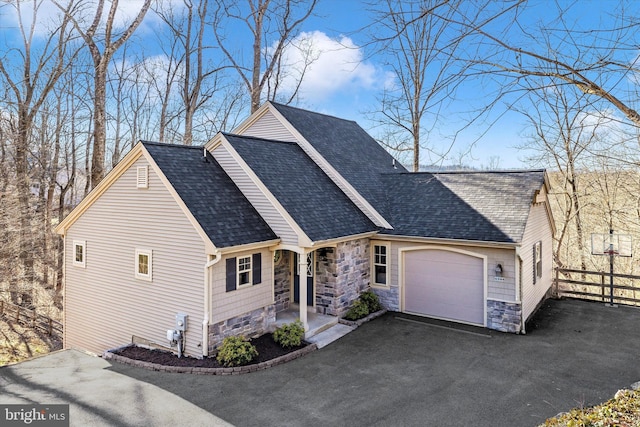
<point>19,342</point>
<point>623,410</point>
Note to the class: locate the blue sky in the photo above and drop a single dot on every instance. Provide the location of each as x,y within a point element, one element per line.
<point>347,76</point>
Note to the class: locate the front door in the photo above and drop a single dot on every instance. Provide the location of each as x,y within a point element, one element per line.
<point>296,279</point>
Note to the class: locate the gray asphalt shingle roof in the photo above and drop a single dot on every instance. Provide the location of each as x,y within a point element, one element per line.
<point>214,200</point>
<point>312,199</point>
<point>348,148</point>
<point>481,206</point>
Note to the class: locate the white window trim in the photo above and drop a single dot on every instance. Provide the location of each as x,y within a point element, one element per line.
<point>249,270</point>
<point>83,244</point>
<point>149,254</point>
<point>142,178</point>
<point>373,264</point>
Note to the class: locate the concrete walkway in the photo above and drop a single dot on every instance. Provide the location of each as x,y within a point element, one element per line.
<point>388,372</point>
<point>97,396</point>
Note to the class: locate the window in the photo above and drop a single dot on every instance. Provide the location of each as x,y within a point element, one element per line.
<point>380,264</point>
<point>80,253</point>
<point>144,264</point>
<point>143,177</point>
<point>244,271</point>
<point>537,261</point>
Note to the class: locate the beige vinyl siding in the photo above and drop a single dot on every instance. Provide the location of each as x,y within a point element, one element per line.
<point>537,229</point>
<point>226,305</point>
<point>105,304</point>
<point>503,290</point>
<point>260,202</point>
<point>269,127</point>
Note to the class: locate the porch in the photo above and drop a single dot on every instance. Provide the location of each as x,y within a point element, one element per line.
<point>317,322</point>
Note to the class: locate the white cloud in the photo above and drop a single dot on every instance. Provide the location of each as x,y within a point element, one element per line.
<point>332,65</point>
<point>48,15</point>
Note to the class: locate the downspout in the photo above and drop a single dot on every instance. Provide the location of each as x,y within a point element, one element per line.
<point>518,261</point>
<point>213,259</point>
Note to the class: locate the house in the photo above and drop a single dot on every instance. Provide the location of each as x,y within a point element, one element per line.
<point>226,233</point>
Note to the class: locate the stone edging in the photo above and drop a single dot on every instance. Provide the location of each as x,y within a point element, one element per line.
<point>359,322</point>
<point>108,355</point>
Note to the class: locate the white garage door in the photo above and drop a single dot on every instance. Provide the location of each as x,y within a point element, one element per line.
<point>444,284</point>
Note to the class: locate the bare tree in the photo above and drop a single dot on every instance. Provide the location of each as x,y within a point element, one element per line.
<point>188,56</point>
<point>30,73</point>
<point>272,25</point>
<point>422,41</point>
<point>102,45</point>
<point>565,138</point>
<point>600,62</point>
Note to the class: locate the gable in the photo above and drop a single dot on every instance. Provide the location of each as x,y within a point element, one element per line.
<point>309,196</point>
<point>216,203</point>
<point>270,122</point>
<point>266,125</point>
<point>207,197</point>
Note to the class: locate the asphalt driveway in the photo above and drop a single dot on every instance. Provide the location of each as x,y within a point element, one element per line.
<point>392,371</point>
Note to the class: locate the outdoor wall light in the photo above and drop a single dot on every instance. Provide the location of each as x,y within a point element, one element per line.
<point>498,270</point>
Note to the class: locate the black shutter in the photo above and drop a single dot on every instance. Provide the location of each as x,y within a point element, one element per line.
<point>535,265</point>
<point>256,265</point>
<point>231,274</point>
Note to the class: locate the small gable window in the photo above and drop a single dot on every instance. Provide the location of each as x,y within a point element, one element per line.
<point>144,264</point>
<point>79,253</point>
<point>537,261</point>
<point>243,271</point>
<point>380,264</point>
<point>143,177</point>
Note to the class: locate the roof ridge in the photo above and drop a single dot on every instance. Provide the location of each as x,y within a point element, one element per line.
<point>164,144</point>
<point>257,138</point>
<point>277,104</point>
<point>465,172</point>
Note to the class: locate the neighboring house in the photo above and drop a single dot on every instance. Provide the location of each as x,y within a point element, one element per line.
<point>223,233</point>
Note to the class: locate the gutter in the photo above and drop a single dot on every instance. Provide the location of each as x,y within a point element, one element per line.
<point>213,260</point>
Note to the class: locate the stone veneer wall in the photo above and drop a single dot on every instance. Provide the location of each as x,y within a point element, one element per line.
<point>282,282</point>
<point>325,280</point>
<point>504,316</point>
<point>389,297</point>
<point>252,324</point>
<point>353,273</point>
<point>342,273</point>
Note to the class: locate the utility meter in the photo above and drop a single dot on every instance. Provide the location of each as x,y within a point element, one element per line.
<point>181,322</point>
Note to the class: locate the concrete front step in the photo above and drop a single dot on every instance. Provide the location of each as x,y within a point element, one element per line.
<point>328,336</point>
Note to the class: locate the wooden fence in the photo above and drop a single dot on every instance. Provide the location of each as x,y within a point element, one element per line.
<point>598,289</point>
<point>30,318</point>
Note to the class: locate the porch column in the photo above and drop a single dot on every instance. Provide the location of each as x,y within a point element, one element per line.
<point>302,275</point>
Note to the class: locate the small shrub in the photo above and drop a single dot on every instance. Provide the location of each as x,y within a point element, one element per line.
<point>236,351</point>
<point>358,310</point>
<point>289,335</point>
<point>372,301</point>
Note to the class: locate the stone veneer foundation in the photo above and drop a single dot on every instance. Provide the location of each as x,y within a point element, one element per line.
<point>504,316</point>
<point>252,324</point>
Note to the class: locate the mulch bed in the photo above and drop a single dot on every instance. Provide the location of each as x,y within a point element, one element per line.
<point>267,348</point>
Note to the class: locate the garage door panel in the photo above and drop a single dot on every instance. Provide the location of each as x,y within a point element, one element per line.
<point>444,284</point>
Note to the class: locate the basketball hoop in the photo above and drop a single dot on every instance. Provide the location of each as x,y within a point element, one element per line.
<point>614,245</point>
